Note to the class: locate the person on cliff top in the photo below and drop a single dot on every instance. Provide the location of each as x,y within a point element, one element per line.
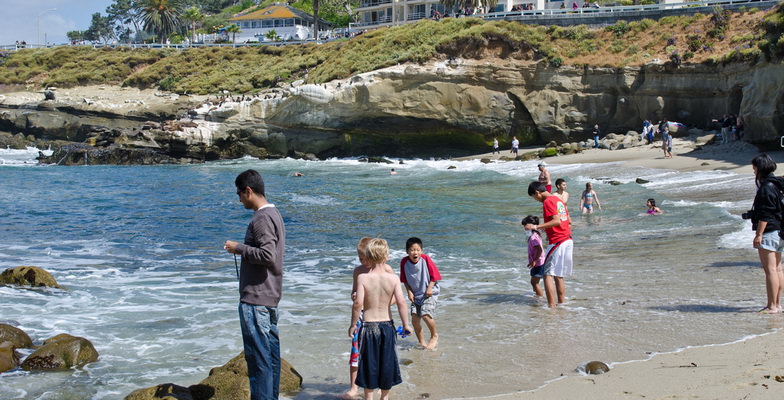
<point>420,275</point>
<point>558,259</point>
<point>378,363</point>
<point>261,284</point>
<point>362,268</point>
<point>544,176</point>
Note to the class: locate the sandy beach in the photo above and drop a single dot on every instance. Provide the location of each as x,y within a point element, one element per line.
<point>752,368</point>
<point>690,154</point>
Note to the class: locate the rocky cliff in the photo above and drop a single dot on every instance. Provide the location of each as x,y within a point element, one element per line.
<point>443,108</point>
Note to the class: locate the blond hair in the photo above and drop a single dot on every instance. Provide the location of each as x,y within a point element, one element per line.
<point>362,245</point>
<point>377,250</point>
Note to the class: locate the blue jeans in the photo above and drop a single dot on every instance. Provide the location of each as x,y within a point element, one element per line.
<point>596,142</point>
<point>259,326</point>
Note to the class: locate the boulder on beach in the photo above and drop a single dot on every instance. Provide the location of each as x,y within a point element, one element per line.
<point>8,357</point>
<point>596,368</point>
<point>227,382</point>
<point>28,276</point>
<point>61,352</point>
<point>18,338</point>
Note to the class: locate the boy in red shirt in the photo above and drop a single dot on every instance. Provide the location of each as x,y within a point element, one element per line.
<point>559,235</point>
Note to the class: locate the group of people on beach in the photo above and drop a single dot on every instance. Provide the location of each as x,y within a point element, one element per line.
<point>373,361</point>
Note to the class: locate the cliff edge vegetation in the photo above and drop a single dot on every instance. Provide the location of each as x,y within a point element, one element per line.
<point>725,37</point>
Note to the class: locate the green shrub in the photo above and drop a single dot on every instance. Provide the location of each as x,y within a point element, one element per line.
<point>619,28</point>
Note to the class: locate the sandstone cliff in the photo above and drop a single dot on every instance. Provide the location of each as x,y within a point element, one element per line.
<point>442,108</point>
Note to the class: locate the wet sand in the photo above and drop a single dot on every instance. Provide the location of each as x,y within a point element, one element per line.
<point>752,368</point>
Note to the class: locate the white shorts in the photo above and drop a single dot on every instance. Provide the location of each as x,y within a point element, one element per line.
<point>772,242</point>
<point>559,260</point>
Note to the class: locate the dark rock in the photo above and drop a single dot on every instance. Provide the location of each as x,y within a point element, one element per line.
<point>18,338</point>
<point>641,181</point>
<point>380,160</point>
<point>596,368</point>
<point>484,160</point>
<point>451,167</point>
<point>28,276</point>
<point>168,391</point>
<point>227,382</point>
<point>8,357</point>
<point>49,95</point>
<point>614,183</point>
<point>61,352</point>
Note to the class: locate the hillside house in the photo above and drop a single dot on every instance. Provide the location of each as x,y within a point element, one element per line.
<point>288,23</point>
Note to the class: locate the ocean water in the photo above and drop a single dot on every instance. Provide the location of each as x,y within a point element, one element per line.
<point>139,253</point>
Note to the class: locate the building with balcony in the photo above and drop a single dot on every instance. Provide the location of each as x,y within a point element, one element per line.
<point>288,23</point>
<point>377,13</point>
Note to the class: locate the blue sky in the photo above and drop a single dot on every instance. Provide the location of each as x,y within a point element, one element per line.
<point>21,17</point>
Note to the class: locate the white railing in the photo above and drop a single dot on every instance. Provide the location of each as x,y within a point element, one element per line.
<point>581,12</point>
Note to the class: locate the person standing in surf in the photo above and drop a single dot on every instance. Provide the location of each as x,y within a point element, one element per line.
<point>261,284</point>
<point>558,259</point>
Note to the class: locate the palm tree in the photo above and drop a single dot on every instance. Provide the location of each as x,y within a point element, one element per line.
<point>234,29</point>
<point>161,17</point>
<point>193,15</point>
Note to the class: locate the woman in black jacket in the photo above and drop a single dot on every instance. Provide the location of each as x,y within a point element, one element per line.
<point>765,221</point>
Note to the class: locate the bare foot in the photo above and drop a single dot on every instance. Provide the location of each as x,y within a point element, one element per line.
<point>767,310</point>
<point>433,342</point>
<point>350,394</point>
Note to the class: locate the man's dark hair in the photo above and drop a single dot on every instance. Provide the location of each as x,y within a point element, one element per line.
<point>559,181</point>
<point>765,166</point>
<point>250,178</point>
<point>412,241</point>
<point>536,186</point>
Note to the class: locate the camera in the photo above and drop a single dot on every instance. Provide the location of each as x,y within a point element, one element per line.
<point>748,214</point>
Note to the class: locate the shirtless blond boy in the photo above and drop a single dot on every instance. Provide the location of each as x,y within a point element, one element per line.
<point>353,391</point>
<point>378,362</point>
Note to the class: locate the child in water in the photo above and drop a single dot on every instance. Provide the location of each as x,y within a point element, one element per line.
<point>652,209</point>
<point>420,275</point>
<point>362,268</point>
<point>536,254</point>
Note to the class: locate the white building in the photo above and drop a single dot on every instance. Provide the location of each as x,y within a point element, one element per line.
<point>376,13</point>
<point>288,23</point>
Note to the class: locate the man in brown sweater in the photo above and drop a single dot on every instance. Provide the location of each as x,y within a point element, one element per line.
<point>261,282</point>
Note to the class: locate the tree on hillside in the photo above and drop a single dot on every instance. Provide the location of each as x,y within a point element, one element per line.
<point>75,36</point>
<point>161,17</point>
<point>100,29</point>
<point>122,16</point>
<point>462,4</point>
<point>234,29</point>
<point>193,15</point>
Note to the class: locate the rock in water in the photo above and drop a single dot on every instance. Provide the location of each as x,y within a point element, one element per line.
<point>162,391</point>
<point>61,352</point>
<point>641,181</point>
<point>227,382</point>
<point>8,358</point>
<point>596,368</point>
<point>18,338</point>
<point>28,276</point>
